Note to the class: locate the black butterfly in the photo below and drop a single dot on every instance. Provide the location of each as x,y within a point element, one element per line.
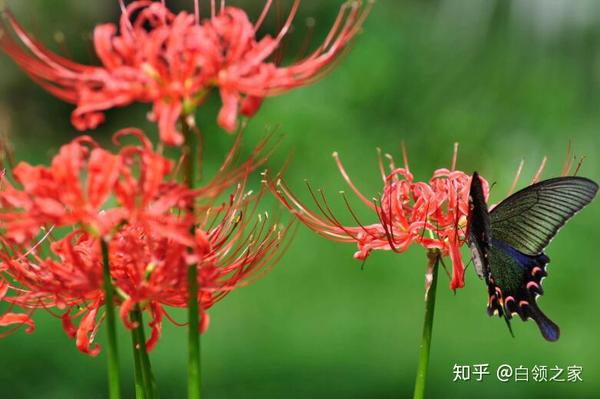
<point>508,243</point>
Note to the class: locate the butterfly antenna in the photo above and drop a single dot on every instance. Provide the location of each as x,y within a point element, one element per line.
<point>493,185</point>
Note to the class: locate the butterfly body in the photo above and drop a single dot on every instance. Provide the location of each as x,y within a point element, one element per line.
<point>508,243</point>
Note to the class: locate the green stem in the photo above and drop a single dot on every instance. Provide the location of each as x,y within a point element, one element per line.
<point>114,379</point>
<point>140,392</point>
<point>425,347</point>
<point>193,336</point>
<point>189,169</point>
<point>147,377</point>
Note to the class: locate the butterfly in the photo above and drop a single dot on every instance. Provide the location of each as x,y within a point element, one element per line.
<point>508,243</point>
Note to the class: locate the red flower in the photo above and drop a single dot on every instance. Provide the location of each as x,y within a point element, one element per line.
<point>131,201</point>
<point>174,60</point>
<point>431,214</point>
<point>230,247</point>
<point>88,186</point>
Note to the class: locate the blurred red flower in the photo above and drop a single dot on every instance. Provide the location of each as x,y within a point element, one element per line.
<point>230,249</point>
<point>132,202</point>
<point>431,214</point>
<point>174,60</point>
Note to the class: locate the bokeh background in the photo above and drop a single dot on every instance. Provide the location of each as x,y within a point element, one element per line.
<point>509,80</point>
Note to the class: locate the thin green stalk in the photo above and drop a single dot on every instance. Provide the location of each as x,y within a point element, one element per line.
<point>189,170</point>
<point>193,336</point>
<point>114,379</point>
<point>425,347</point>
<point>147,377</point>
<point>140,392</point>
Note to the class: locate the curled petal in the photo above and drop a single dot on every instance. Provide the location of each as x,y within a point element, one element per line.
<point>8,319</point>
<point>155,326</point>
<point>167,116</point>
<point>458,268</point>
<point>124,312</point>
<point>86,330</point>
<point>68,326</point>
<point>229,111</point>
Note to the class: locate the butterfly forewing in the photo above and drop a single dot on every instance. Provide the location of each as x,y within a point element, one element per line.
<point>530,218</point>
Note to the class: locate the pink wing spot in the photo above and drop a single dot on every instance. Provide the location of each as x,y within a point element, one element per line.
<point>508,300</point>
<point>536,270</point>
<point>523,303</point>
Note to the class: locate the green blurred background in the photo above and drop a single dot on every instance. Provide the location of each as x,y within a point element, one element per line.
<point>509,80</point>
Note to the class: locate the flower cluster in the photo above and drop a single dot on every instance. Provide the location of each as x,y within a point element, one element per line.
<point>60,224</point>
<point>432,214</point>
<point>174,60</point>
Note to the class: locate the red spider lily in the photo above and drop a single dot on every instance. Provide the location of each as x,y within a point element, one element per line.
<point>131,201</point>
<point>231,247</point>
<point>174,60</point>
<point>431,214</point>
<point>88,186</point>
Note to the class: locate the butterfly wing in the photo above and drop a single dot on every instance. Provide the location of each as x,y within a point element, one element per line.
<point>530,218</point>
<point>520,228</point>
<point>514,283</point>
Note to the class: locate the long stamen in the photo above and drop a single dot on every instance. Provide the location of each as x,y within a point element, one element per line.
<point>349,181</point>
<point>380,163</point>
<point>392,164</point>
<point>354,216</point>
<point>516,179</point>
<point>578,165</point>
<point>568,161</point>
<point>288,23</point>
<point>538,174</point>
<point>263,15</point>
<point>405,156</point>
<point>125,13</point>
<point>454,157</point>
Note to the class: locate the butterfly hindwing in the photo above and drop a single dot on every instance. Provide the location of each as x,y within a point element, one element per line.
<point>515,282</point>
